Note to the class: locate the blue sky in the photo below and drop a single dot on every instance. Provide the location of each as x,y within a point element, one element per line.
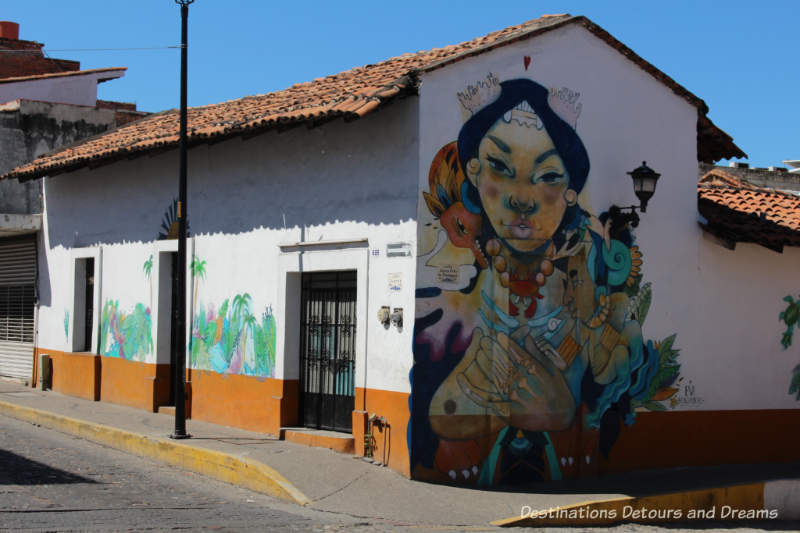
<point>739,56</point>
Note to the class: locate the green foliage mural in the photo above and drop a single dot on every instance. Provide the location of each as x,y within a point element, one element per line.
<point>198,272</point>
<point>661,387</point>
<point>232,340</point>
<point>791,317</point>
<point>126,335</point>
<point>147,268</point>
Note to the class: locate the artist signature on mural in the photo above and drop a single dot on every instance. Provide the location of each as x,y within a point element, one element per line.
<point>687,397</point>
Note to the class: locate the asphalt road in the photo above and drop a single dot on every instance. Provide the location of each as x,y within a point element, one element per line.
<point>55,482</point>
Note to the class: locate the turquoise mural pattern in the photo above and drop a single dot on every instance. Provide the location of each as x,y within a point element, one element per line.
<point>126,335</point>
<point>231,339</point>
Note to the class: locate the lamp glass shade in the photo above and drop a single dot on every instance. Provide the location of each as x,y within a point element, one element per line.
<point>644,182</point>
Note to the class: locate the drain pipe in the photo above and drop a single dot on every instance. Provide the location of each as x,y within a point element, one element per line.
<point>380,421</point>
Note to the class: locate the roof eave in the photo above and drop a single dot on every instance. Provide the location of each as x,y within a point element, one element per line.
<point>725,223</point>
<point>713,143</point>
<point>280,124</point>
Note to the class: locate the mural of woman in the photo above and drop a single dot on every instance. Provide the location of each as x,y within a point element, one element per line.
<point>526,373</point>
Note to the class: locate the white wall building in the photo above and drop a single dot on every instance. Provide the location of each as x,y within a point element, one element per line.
<point>540,339</point>
<point>44,103</point>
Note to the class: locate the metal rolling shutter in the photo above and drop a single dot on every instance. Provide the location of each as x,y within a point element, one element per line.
<point>17,303</point>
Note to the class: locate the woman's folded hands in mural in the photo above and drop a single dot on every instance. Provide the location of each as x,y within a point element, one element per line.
<point>519,385</point>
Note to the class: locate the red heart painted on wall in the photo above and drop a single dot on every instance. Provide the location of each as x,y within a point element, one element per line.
<point>527,61</point>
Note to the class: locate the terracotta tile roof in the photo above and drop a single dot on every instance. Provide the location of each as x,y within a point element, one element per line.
<point>738,211</point>
<point>349,95</point>
<point>69,73</point>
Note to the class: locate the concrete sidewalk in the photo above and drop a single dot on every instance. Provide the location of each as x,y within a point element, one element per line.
<point>325,480</point>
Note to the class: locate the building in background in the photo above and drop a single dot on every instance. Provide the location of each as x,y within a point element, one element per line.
<point>431,266</point>
<point>779,178</point>
<point>794,163</point>
<point>44,103</point>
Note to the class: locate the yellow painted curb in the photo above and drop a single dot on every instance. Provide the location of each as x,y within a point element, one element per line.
<point>705,504</point>
<point>225,467</point>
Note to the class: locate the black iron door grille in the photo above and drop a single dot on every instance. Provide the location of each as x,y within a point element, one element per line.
<point>327,349</point>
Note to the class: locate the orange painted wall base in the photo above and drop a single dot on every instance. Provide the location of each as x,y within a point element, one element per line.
<point>74,374</point>
<point>699,438</point>
<point>133,383</point>
<point>342,443</point>
<point>257,404</point>
<point>110,379</point>
<point>656,440</point>
<point>389,439</point>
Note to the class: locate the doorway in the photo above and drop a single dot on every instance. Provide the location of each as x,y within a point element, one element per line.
<point>167,331</point>
<point>173,325</point>
<point>83,325</point>
<point>327,349</point>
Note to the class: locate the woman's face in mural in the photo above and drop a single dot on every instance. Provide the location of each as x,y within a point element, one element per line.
<point>522,182</point>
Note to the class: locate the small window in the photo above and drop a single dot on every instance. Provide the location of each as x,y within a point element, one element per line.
<point>16,313</point>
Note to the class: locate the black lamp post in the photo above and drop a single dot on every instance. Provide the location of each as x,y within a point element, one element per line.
<point>180,346</point>
<point>644,185</point>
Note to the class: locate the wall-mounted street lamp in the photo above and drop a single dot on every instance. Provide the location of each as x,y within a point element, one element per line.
<point>644,185</point>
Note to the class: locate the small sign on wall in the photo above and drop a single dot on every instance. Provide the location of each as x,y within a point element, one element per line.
<point>395,280</point>
<point>447,274</point>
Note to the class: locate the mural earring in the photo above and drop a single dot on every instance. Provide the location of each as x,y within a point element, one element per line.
<point>473,168</point>
<point>571,197</point>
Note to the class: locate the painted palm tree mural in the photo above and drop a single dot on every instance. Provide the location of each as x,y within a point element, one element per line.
<point>231,339</point>
<point>128,334</point>
<point>147,268</point>
<point>198,272</point>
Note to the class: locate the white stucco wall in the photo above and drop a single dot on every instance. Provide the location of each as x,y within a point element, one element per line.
<point>722,305</point>
<point>732,328</point>
<point>74,89</point>
<point>330,188</point>
<point>334,185</point>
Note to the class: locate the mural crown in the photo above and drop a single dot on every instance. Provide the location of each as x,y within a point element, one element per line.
<point>475,97</point>
<point>564,103</point>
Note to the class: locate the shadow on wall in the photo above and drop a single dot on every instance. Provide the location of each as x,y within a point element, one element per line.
<point>45,292</point>
<point>362,172</point>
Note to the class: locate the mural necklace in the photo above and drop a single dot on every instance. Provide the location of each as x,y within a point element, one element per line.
<point>522,282</point>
